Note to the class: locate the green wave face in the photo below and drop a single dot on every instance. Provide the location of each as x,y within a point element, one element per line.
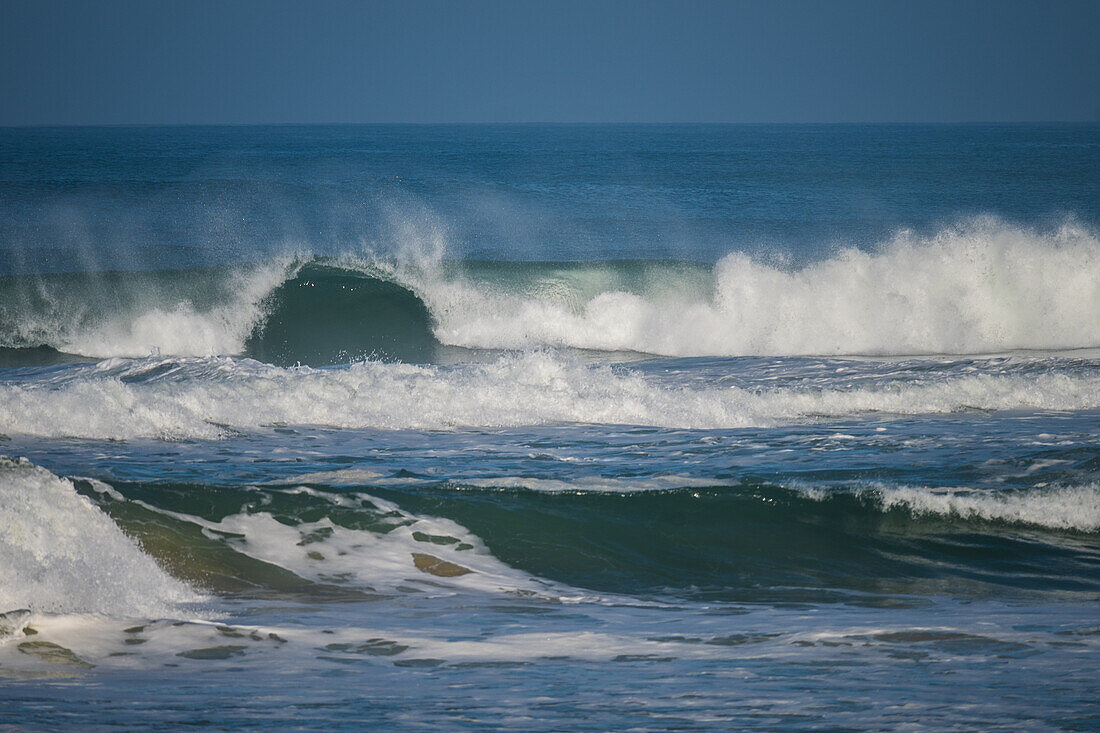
<point>325,315</point>
<point>744,543</point>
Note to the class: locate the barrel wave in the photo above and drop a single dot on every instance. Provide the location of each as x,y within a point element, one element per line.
<point>330,315</point>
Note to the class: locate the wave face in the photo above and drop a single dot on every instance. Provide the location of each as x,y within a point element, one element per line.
<point>61,554</point>
<point>877,538</point>
<point>329,315</point>
<point>976,288</point>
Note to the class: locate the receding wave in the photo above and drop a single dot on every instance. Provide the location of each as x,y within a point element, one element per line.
<point>980,287</point>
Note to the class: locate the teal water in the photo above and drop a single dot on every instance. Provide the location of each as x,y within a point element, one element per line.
<point>752,427</point>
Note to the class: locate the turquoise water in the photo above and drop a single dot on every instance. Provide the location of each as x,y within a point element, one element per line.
<point>753,427</point>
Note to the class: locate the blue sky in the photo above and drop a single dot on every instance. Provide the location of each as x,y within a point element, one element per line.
<point>278,61</point>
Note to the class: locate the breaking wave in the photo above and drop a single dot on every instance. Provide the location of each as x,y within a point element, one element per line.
<point>976,288</point>
<point>60,554</point>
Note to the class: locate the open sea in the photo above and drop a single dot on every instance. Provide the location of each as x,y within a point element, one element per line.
<point>768,427</point>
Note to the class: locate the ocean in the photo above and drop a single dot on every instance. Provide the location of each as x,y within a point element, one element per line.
<point>576,427</point>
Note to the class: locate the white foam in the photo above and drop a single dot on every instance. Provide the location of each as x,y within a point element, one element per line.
<point>198,398</point>
<point>155,319</point>
<point>980,287</point>
<point>1066,507</point>
<point>182,328</point>
<point>381,560</point>
<point>61,554</point>
<point>1055,507</point>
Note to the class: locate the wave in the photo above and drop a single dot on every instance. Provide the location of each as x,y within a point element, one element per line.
<point>104,314</point>
<point>746,540</point>
<point>202,398</point>
<point>761,541</point>
<point>1075,508</point>
<point>979,287</point>
<point>982,286</point>
<point>61,554</point>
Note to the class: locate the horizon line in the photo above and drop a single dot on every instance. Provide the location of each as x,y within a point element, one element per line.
<point>942,123</point>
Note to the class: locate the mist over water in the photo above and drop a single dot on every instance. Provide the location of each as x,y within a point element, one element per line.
<point>685,426</point>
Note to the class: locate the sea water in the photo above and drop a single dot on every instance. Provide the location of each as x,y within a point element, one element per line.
<point>569,427</point>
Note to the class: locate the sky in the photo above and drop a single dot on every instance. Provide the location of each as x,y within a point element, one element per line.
<point>78,62</point>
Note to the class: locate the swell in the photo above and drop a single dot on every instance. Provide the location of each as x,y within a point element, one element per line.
<point>979,287</point>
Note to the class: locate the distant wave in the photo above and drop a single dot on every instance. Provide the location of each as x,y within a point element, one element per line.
<point>980,287</point>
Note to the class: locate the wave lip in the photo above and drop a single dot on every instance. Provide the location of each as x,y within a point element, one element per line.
<point>61,554</point>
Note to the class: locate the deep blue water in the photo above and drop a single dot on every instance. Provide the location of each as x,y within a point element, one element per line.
<point>569,427</point>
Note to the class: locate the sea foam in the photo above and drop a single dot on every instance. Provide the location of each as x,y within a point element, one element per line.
<point>1055,507</point>
<point>201,397</point>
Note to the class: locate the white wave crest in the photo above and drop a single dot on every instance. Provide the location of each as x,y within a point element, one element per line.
<point>61,554</point>
<point>105,316</point>
<point>1056,507</point>
<point>982,286</point>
